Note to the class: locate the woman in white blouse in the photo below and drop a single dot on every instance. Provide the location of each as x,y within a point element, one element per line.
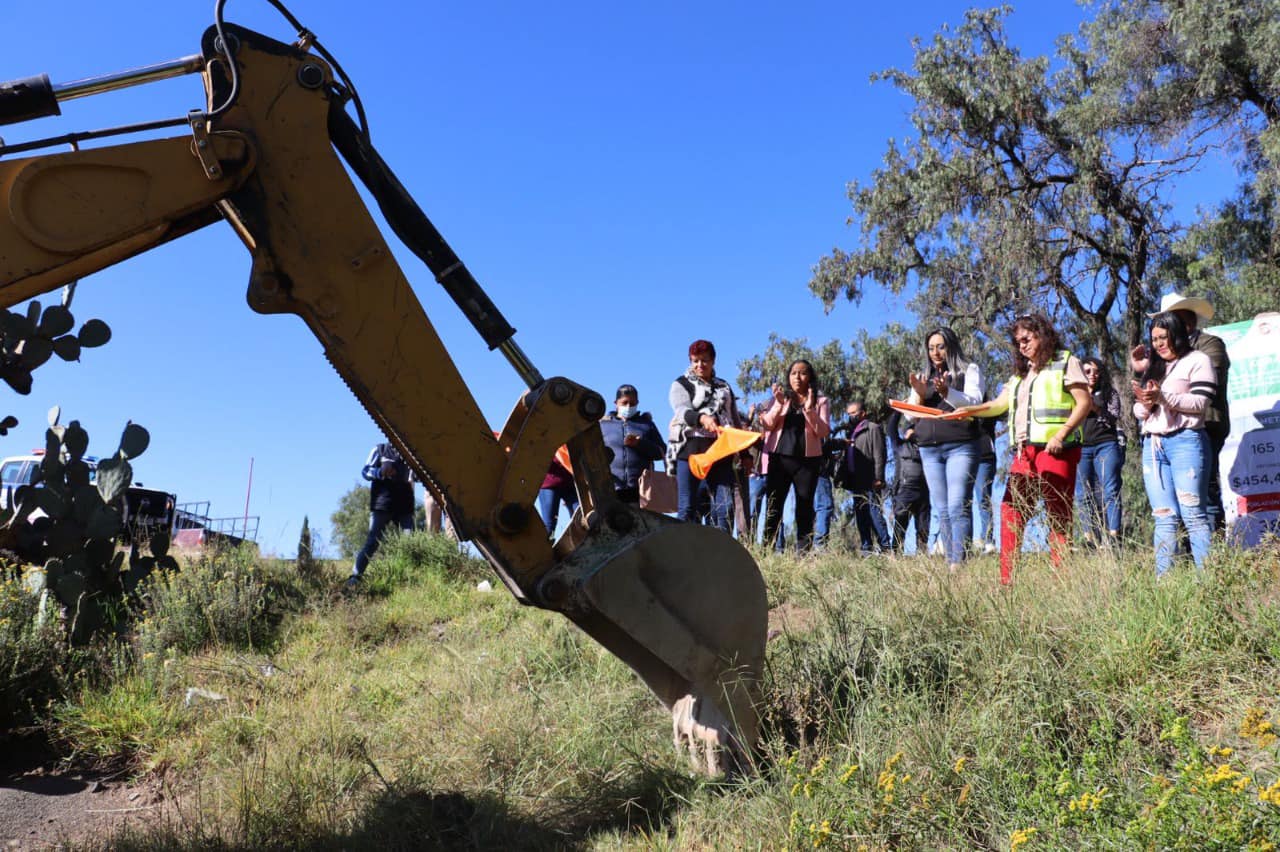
<point>1170,401</point>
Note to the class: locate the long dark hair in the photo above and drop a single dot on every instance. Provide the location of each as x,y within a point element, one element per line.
<point>1179,342</point>
<point>813,378</point>
<point>1039,325</point>
<point>1179,338</point>
<point>1104,375</point>
<point>956,362</point>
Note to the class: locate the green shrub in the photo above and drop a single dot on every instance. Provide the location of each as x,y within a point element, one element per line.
<point>412,558</point>
<point>225,598</point>
<point>35,661</point>
<point>116,721</point>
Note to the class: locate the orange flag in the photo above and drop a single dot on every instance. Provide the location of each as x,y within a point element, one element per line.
<point>562,456</point>
<point>728,442</point>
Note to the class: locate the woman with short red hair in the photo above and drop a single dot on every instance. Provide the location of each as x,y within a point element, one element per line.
<point>702,403</point>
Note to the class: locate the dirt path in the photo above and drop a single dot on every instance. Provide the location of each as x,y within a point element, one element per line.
<point>43,806</point>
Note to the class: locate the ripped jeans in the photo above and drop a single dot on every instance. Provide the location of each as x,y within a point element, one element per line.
<point>1173,472</point>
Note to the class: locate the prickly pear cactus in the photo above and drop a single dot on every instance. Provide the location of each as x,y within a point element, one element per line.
<point>28,340</point>
<point>79,524</point>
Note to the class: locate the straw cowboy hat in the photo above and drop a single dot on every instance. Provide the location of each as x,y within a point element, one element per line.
<point>1179,302</point>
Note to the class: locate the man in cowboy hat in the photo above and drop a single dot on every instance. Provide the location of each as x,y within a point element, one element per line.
<point>1217,419</point>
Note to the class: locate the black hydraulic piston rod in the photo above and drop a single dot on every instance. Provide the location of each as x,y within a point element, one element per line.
<point>37,97</point>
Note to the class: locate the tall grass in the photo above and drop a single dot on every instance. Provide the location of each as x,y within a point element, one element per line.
<point>36,662</point>
<point>905,707</point>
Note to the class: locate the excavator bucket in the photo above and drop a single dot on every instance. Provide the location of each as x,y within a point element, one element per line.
<point>727,443</point>
<point>685,607</point>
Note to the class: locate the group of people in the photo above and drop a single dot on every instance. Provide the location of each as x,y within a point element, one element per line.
<point>1064,427</point>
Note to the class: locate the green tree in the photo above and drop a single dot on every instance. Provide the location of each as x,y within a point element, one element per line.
<point>350,521</point>
<point>1232,257</point>
<point>306,560</point>
<point>1019,191</point>
<point>1210,68</point>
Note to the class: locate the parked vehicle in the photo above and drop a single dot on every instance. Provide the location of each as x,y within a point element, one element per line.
<point>145,510</point>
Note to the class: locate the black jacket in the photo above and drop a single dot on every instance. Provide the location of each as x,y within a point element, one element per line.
<point>392,493</point>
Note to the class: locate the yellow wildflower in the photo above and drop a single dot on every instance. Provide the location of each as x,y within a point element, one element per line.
<point>1221,751</point>
<point>795,788</point>
<point>820,833</point>
<point>1220,774</point>
<point>1088,801</point>
<point>819,767</point>
<point>1271,795</point>
<point>893,761</point>
<point>959,765</point>
<point>1257,727</point>
<point>1021,837</point>
<point>848,773</point>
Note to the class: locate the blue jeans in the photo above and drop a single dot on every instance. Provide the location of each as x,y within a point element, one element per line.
<point>868,515</point>
<point>378,523</point>
<point>549,500</point>
<point>756,485</point>
<point>984,475</point>
<point>1098,490</point>
<point>949,470</point>
<point>824,507</point>
<point>1174,474</point>
<point>719,484</point>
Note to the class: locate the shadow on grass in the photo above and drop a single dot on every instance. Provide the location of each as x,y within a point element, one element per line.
<point>405,817</point>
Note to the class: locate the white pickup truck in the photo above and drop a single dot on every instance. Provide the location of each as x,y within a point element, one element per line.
<point>145,510</point>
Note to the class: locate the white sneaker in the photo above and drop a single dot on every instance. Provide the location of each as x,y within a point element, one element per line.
<point>988,548</point>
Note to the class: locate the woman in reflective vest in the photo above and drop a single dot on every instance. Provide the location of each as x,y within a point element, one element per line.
<point>1047,400</point>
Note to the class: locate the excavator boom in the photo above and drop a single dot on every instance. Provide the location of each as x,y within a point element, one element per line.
<point>683,605</point>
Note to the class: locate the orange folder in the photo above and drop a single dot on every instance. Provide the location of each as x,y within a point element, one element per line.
<point>728,442</point>
<point>912,408</point>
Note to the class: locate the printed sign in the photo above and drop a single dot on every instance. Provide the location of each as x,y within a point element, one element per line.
<point>1250,460</point>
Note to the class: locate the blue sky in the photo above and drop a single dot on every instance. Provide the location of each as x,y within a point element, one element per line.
<point>622,180</point>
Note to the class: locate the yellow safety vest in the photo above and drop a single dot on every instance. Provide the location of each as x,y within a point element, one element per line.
<point>1051,405</point>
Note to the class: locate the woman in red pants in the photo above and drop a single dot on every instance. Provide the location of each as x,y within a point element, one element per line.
<point>1047,400</point>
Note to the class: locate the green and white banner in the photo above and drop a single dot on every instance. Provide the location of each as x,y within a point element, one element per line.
<point>1250,460</point>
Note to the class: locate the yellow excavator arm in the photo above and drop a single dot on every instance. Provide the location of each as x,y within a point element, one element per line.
<point>683,605</point>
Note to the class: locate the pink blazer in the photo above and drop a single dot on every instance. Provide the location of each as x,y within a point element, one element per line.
<point>817,425</point>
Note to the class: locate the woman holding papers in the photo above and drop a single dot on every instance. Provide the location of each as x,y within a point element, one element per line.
<point>948,448</point>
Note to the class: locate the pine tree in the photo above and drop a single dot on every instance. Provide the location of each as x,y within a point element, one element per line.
<point>306,561</point>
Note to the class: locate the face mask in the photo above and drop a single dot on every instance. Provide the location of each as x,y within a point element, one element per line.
<point>626,411</point>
